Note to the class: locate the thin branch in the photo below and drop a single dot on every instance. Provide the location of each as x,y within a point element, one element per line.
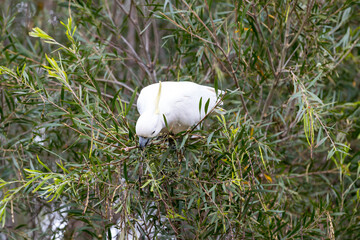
<point>305,18</point>
<point>283,54</point>
<point>231,72</point>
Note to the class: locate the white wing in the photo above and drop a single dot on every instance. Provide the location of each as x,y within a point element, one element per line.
<point>180,101</point>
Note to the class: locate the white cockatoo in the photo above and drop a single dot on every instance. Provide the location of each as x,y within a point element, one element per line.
<point>177,103</point>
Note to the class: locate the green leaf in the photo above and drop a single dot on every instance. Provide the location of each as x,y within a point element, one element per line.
<point>131,102</point>
<point>207,105</point>
<point>200,105</point>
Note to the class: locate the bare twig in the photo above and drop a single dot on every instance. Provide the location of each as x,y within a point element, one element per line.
<point>217,44</point>
<point>283,54</point>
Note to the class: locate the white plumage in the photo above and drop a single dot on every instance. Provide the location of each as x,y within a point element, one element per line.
<point>177,101</point>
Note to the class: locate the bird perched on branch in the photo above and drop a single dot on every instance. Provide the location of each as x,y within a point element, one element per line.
<point>172,107</point>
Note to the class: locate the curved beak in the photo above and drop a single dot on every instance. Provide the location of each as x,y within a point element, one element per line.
<point>143,142</point>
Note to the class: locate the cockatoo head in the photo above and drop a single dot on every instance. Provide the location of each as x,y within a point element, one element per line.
<point>148,125</point>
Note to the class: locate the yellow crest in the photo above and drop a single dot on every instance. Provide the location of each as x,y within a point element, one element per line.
<point>157,111</point>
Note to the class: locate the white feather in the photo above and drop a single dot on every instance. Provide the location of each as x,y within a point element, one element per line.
<point>178,102</point>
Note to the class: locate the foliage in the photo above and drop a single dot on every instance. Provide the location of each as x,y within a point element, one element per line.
<point>281,162</point>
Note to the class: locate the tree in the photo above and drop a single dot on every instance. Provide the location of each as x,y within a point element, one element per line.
<point>281,161</point>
